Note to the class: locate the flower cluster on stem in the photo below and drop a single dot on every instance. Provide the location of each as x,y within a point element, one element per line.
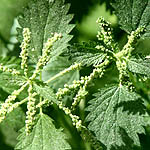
<point>45,54</point>
<point>97,72</point>
<point>77,122</point>
<point>17,104</point>
<point>123,56</point>
<point>105,35</point>
<point>9,70</point>
<point>9,102</point>
<point>25,45</point>
<point>31,110</point>
<point>129,46</point>
<point>82,84</point>
<point>69,88</point>
<point>75,119</point>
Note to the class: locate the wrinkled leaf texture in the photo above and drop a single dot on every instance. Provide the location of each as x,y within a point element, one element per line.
<point>44,17</point>
<point>133,14</point>
<point>113,109</point>
<point>43,137</point>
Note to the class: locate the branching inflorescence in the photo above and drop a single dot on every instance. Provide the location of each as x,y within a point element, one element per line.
<point>109,46</point>
<point>115,112</point>
<point>79,87</point>
<point>9,103</point>
<point>119,56</point>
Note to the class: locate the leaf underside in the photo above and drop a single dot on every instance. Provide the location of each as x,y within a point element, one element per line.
<point>9,82</point>
<point>114,109</point>
<point>11,62</point>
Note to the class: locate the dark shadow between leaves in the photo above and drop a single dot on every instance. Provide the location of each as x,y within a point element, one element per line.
<point>145,139</point>
<point>3,145</point>
<point>89,137</point>
<point>128,142</point>
<point>133,107</point>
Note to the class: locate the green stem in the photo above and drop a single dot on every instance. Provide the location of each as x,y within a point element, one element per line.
<point>23,101</point>
<point>72,67</point>
<point>40,96</point>
<point>41,106</point>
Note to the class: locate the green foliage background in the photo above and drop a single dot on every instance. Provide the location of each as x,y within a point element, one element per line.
<point>86,13</point>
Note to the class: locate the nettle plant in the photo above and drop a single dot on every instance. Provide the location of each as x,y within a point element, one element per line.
<point>116,114</point>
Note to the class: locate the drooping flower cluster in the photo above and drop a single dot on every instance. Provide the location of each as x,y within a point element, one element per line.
<point>81,85</point>
<point>75,119</point>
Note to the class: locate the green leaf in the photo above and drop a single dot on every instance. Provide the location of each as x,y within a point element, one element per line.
<point>3,49</point>
<point>139,66</point>
<point>11,125</point>
<point>133,14</point>
<point>11,62</point>
<point>114,109</point>
<point>57,66</point>
<point>3,95</point>
<point>46,92</point>
<point>87,54</point>
<point>9,83</point>
<point>9,9</point>
<point>43,137</point>
<point>44,17</point>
